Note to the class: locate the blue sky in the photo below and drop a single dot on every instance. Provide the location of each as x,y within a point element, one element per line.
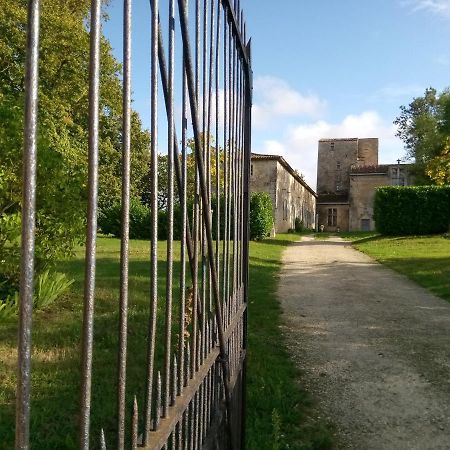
<point>324,68</point>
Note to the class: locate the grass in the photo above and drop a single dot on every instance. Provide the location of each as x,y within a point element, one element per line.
<point>278,410</point>
<point>56,350</point>
<point>348,236</point>
<point>423,259</point>
<point>277,407</point>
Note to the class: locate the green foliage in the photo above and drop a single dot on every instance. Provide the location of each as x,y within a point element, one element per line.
<point>49,287</point>
<point>424,127</point>
<point>412,210</point>
<point>110,218</point>
<point>299,225</point>
<point>261,215</point>
<point>9,306</point>
<point>62,132</point>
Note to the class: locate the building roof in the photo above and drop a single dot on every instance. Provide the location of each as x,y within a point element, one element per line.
<point>284,163</point>
<point>338,139</point>
<point>380,168</point>
<point>333,198</point>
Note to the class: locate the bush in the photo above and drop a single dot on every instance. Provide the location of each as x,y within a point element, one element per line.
<point>412,210</point>
<point>49,287</point>
<point>299,225</point>
<point>261,215</point>
<point>109,220</point>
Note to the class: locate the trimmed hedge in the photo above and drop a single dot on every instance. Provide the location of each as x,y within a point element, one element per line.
<point>261,215</point>
<point>412,210</point>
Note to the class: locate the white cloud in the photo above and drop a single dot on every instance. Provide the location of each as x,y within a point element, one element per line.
<point>276,99</point>
<point>442,60</point>
<point>395,91</point>
<point>299,144</point>
<point>440,7</point>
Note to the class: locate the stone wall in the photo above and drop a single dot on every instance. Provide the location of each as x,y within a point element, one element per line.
<point>290,198</point>
<point>362,193</point>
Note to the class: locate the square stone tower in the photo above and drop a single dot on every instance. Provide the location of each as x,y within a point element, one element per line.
<point>335,159</point>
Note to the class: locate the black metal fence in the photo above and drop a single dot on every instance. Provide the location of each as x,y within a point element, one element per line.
<point>195,395</point>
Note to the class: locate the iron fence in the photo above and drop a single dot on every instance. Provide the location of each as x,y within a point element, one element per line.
<point>195,395</point>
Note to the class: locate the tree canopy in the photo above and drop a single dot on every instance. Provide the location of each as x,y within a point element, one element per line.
<point>424,127</point>
<point>62,131</point>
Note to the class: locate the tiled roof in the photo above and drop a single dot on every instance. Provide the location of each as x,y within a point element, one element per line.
<point>284,163</point>
<point>380,168</point>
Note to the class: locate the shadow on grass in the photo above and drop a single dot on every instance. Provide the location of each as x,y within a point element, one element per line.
<point>431,273</point>
<point>57,357</point>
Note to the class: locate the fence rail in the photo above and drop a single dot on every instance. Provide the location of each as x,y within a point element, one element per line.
<point>195,394</point>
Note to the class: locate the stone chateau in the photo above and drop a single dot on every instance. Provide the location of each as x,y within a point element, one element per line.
<point>347,175</point>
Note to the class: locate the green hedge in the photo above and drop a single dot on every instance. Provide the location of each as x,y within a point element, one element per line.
<point>261,219</point>
<point>261,215</point>
<point>412,210</point>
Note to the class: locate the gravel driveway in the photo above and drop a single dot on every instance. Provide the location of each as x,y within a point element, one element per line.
<point>374,347</point>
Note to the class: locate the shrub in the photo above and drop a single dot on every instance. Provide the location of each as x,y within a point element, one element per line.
<point>110,218</point>
<point>49,287</point>
<point>261,215</point>
<point>299,225</point>
<point>417,210</point>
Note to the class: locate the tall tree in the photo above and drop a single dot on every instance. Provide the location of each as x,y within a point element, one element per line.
<point>62,130</point>
<point>424,127</point>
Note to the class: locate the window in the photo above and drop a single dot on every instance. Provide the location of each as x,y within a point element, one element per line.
<point>332,146</point>
<point>338,187</point>
<point>365,224</point>
<point>285,210</point>
<point>332,217</point>
<point>251,170</point>
<point>338,165</point>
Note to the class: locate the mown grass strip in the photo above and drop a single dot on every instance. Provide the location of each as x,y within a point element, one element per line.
<point>423,259</point>
<point>278,410</point>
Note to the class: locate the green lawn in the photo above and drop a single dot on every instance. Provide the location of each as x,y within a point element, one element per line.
<point>424,259</point>
<point>277,407</point>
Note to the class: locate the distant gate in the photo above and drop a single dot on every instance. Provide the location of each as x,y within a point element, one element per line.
<point>195,394</point>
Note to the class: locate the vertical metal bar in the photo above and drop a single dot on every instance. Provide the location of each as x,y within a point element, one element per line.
<point>102,440</point>
<point>124,244</point>
<point>28,228</point>
<point>89,283</point>
<point>158,394</point>
<point>154,222</point>
<point>183,194</point>
<point>170,206</point>
<point>134,425</point>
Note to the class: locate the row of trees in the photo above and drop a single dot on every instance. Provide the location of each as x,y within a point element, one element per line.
<point>63,137</point>
<point>62,132</point>
<point>424,127</point>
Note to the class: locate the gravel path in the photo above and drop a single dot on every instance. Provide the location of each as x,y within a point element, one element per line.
<point>374,347</point>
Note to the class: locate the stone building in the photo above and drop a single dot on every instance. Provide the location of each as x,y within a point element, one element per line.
<point>347,175</point>
<point>291,196</point>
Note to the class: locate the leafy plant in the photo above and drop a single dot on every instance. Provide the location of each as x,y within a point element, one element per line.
<point>50,286</point>
<point>261,215</point>
<point>9,306</point>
